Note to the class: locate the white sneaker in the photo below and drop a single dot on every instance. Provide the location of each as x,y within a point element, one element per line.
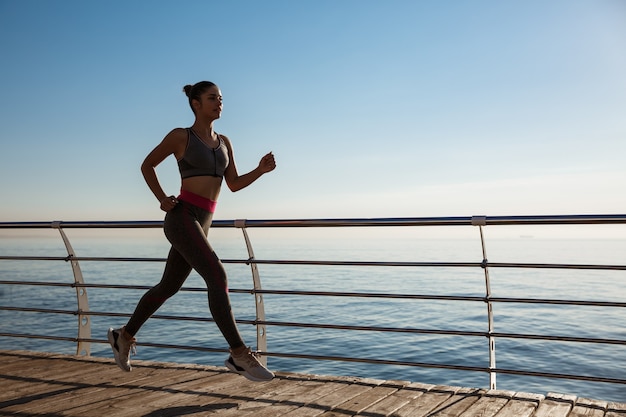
<point>122,348</point>
<point>249,366</point>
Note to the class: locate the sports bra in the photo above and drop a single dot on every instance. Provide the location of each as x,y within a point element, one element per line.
<point>200,159</point>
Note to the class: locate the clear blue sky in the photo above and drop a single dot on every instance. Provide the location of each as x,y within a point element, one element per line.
<point>372,108</point>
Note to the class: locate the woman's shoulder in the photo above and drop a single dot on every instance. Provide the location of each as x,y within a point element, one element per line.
<point>224,138</point>
<point>175,141</point>
<point>226,141</point>
<point>177,134</point>
<point>179,131</point>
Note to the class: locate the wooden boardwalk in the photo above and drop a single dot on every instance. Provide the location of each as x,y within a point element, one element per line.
<point>52,385</point>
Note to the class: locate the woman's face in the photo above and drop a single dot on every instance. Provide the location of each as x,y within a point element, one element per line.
<point>210,103</point>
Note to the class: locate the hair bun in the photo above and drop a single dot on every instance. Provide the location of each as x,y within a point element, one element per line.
<point>187,89</point>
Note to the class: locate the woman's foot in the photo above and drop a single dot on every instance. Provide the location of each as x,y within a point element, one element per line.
<point>122,347</point>
<point>245,362</point>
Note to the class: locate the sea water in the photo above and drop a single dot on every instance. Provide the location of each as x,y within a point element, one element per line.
<point>601,360</point>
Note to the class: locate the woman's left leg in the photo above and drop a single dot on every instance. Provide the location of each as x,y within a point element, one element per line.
<point>189,238</point>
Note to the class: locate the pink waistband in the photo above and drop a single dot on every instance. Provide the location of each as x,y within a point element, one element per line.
<point>198,200</point>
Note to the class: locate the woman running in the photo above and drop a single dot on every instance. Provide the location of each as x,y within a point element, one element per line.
<point>204,159</point>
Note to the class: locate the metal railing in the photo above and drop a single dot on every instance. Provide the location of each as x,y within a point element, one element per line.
<point>83,340</point>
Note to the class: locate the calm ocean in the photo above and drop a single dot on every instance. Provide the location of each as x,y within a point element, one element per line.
<point>602,360</point>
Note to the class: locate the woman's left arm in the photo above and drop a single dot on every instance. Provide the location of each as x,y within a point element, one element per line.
<point>236,182</point>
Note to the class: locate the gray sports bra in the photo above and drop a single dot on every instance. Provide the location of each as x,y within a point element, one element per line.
<point>200,159</point>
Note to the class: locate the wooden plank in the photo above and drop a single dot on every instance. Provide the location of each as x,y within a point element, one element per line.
<point>394,401</point>
<point>521,405</point>
<point>364,400</point>
<point>261,399</point>
<point>489,404</point>
<point>457,403</point>
<point>614,409</point>
<point>588,408</point>
<point>33,366</point>
<point>297,393</point>
<point>7,359</point>
<point>316,400</point>
<point>555,405</point>
<point>422,405</point>
<point>345,391</point>
<point>74,403</point>
<point>402,398</point>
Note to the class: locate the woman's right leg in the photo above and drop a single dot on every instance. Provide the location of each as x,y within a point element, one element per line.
<point>176,272</point>
<point>122,340</point>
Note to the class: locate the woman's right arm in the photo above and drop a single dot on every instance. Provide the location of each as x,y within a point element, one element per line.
<point>174,143</point>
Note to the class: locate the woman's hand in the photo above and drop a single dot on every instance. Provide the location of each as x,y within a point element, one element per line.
<point>268,163</point>
<point>168,203</point>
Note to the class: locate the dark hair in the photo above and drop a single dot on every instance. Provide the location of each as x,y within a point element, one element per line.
<point>195,91</point>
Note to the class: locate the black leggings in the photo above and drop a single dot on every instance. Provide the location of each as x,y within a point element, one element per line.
<point>186,227</point>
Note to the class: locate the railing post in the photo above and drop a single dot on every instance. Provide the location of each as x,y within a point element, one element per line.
<point>261,330</point>
<point>83,347</point>
<point>481,221</point>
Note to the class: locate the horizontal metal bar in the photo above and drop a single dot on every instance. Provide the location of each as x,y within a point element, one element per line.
<point>38,283</point>
<point>246,261</point>
<point>448,298</point>
<point>335,326</point>
<point>369,328</point>
<point>376,361</point>
<point>34,258</point>
<point>443,332</point>
<point>374,295</point>
<point>76,340</point>
<point>39,336</point>
<point>552,301</point>
<point>337,263</point>
<point>350,222</point>
<point>553,266</point>
<point>101,314</point>
<point>83,225</point>
<point>157,316</point>
<point>78,258</point>
<point>588,303</point>
<point>481,264</point>
<point>38,310</point>
<point>442,221</point>
<point>559,338</point>
<point>452,367</point>
<point>561,376</point>
<point>362,263</point>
